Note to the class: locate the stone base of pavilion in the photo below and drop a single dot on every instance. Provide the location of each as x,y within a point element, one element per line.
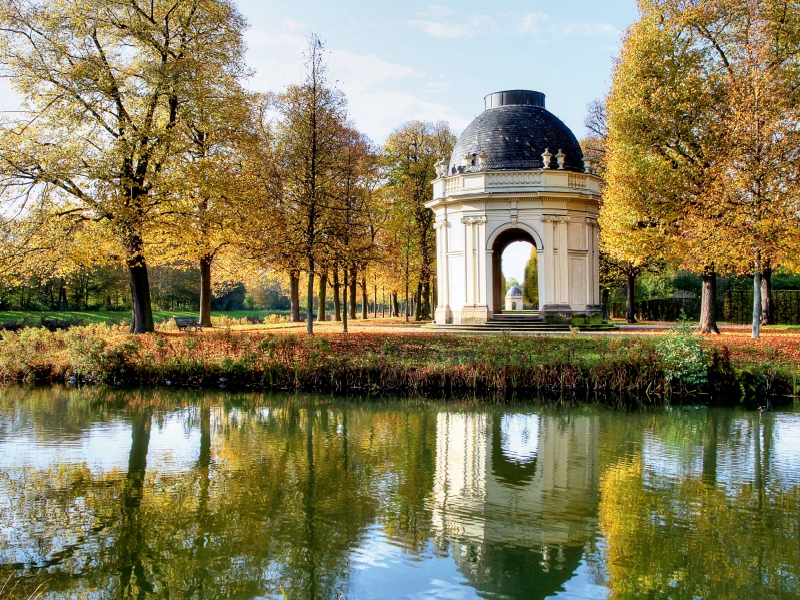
<point>521,322</point>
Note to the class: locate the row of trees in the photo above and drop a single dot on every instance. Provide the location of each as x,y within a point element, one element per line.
<point>139,145</point>
<point>701,146</point>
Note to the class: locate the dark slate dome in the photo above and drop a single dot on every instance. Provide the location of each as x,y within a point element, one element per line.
<point>513,132</point>
<point>514,291</point>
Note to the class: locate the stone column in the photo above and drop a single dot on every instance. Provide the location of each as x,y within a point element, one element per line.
<point>443,315</point>
<point>547,294</point>
<point>481,271</point>
<point>554,299</point>
<point>475,310</point>
<point>591,281</point>
<point>593,269</point>
<point>469,261</point>
<point>563,261</point>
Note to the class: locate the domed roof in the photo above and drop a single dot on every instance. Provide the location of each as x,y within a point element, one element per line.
<point>514,291</point>
<point>513,132</point>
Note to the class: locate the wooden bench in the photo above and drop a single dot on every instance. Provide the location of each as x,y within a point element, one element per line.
<point>188,323</point>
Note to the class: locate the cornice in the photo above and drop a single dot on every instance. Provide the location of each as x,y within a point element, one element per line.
<point>549,196</point>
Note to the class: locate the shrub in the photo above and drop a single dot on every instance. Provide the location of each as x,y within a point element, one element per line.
<point>682,355</point>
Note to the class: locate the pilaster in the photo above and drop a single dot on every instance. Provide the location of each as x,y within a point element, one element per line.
<point>593,269</point>
<point>563,260</point>
<point>475,310</point>
<point>443,314</point>
<point>555,305</point>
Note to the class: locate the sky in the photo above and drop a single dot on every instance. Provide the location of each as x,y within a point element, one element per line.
<point>403,61</point>
<point>400,61</point>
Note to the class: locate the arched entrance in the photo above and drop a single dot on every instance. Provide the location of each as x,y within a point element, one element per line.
<point>501,242</point>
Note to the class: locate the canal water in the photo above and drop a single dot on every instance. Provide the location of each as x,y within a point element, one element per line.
<point>169,494</point>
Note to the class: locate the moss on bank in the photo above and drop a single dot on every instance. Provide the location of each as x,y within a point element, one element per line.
<point>366,362</point>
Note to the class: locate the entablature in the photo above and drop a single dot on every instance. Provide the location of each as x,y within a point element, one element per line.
<point>498,182</point>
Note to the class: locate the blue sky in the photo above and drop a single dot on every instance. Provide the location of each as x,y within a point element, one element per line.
<point>399,61</point>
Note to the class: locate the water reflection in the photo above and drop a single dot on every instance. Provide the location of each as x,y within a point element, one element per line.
<point>151,494</point>
<point>519,493</point>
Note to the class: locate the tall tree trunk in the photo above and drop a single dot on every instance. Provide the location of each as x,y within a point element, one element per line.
<point>130,539</point>
<point>375,302</point>
<point>604,294</point>
<point>364,300</point>
<point>395,305</point>
<point>405,308</point>
<point>294,296</point>
<point>310,294</point>
<point>345,289</point>
<point>323,296</point>
<point>417,303</point>
<point>767,308</point>
<point>205,289</point>
<point>708,302</point>
<point>63,303</point>
<point>425,300</point>
<point>140,287</point>
<point>337,300</point>
<point>756,333</point>
<point>630,309</point>
<point>353,291</point>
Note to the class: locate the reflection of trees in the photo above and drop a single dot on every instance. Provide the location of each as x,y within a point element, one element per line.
<point>402,451</point>
<point>698,535</point>
<point>130,541</point>
<point>280,491</point>
<point>280,494</point>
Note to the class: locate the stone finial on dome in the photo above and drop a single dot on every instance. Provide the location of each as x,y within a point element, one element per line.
<point>560,159</point>
<point>589,164</point>
<point>466,161</point>
<point>441,168</point>
<point>482,158</point>
<point>547,156</point>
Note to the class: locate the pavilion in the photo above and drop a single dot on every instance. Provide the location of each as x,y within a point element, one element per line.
<point>517,173</point>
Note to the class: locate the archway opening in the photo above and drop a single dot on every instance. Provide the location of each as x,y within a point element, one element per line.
<point>511,251</point>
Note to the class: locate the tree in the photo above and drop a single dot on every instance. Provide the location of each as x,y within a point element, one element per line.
<point>662,154</point>
<point>105,83</point>
<point>352,222</point>
<point>217,133</point>
<point>703,110</point>
<point>410,155</point>
<point>309,135</point>
<point>530,283</point>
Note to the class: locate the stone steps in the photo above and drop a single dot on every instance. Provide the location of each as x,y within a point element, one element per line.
<point>530,326</point>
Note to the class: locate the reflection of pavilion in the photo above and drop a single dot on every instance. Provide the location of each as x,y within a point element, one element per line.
<point>519,492</point>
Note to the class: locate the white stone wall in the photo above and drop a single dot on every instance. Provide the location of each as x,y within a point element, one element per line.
<point>557,210</point>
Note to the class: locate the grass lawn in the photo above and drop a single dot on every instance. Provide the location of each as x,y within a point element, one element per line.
<point>111,317</point>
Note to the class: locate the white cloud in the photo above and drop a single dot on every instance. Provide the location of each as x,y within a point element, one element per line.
<point>362,70</point>
<point>589,29</point>
<point>9,100</point>
<point>535,23</point>
<point>531,23</point>
<point>472,26</point>
<point>380,112</point>
<point>438,86</point>
<point>286,36</point>
<point>375,103</point>
<point>442,31</point>
<point>437,10</point>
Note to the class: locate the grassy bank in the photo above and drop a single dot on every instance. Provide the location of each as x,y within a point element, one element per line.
<point>116,317</point>
<point>399,362</point>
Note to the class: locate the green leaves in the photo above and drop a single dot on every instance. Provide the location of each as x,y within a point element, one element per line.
<point>682,355</point>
